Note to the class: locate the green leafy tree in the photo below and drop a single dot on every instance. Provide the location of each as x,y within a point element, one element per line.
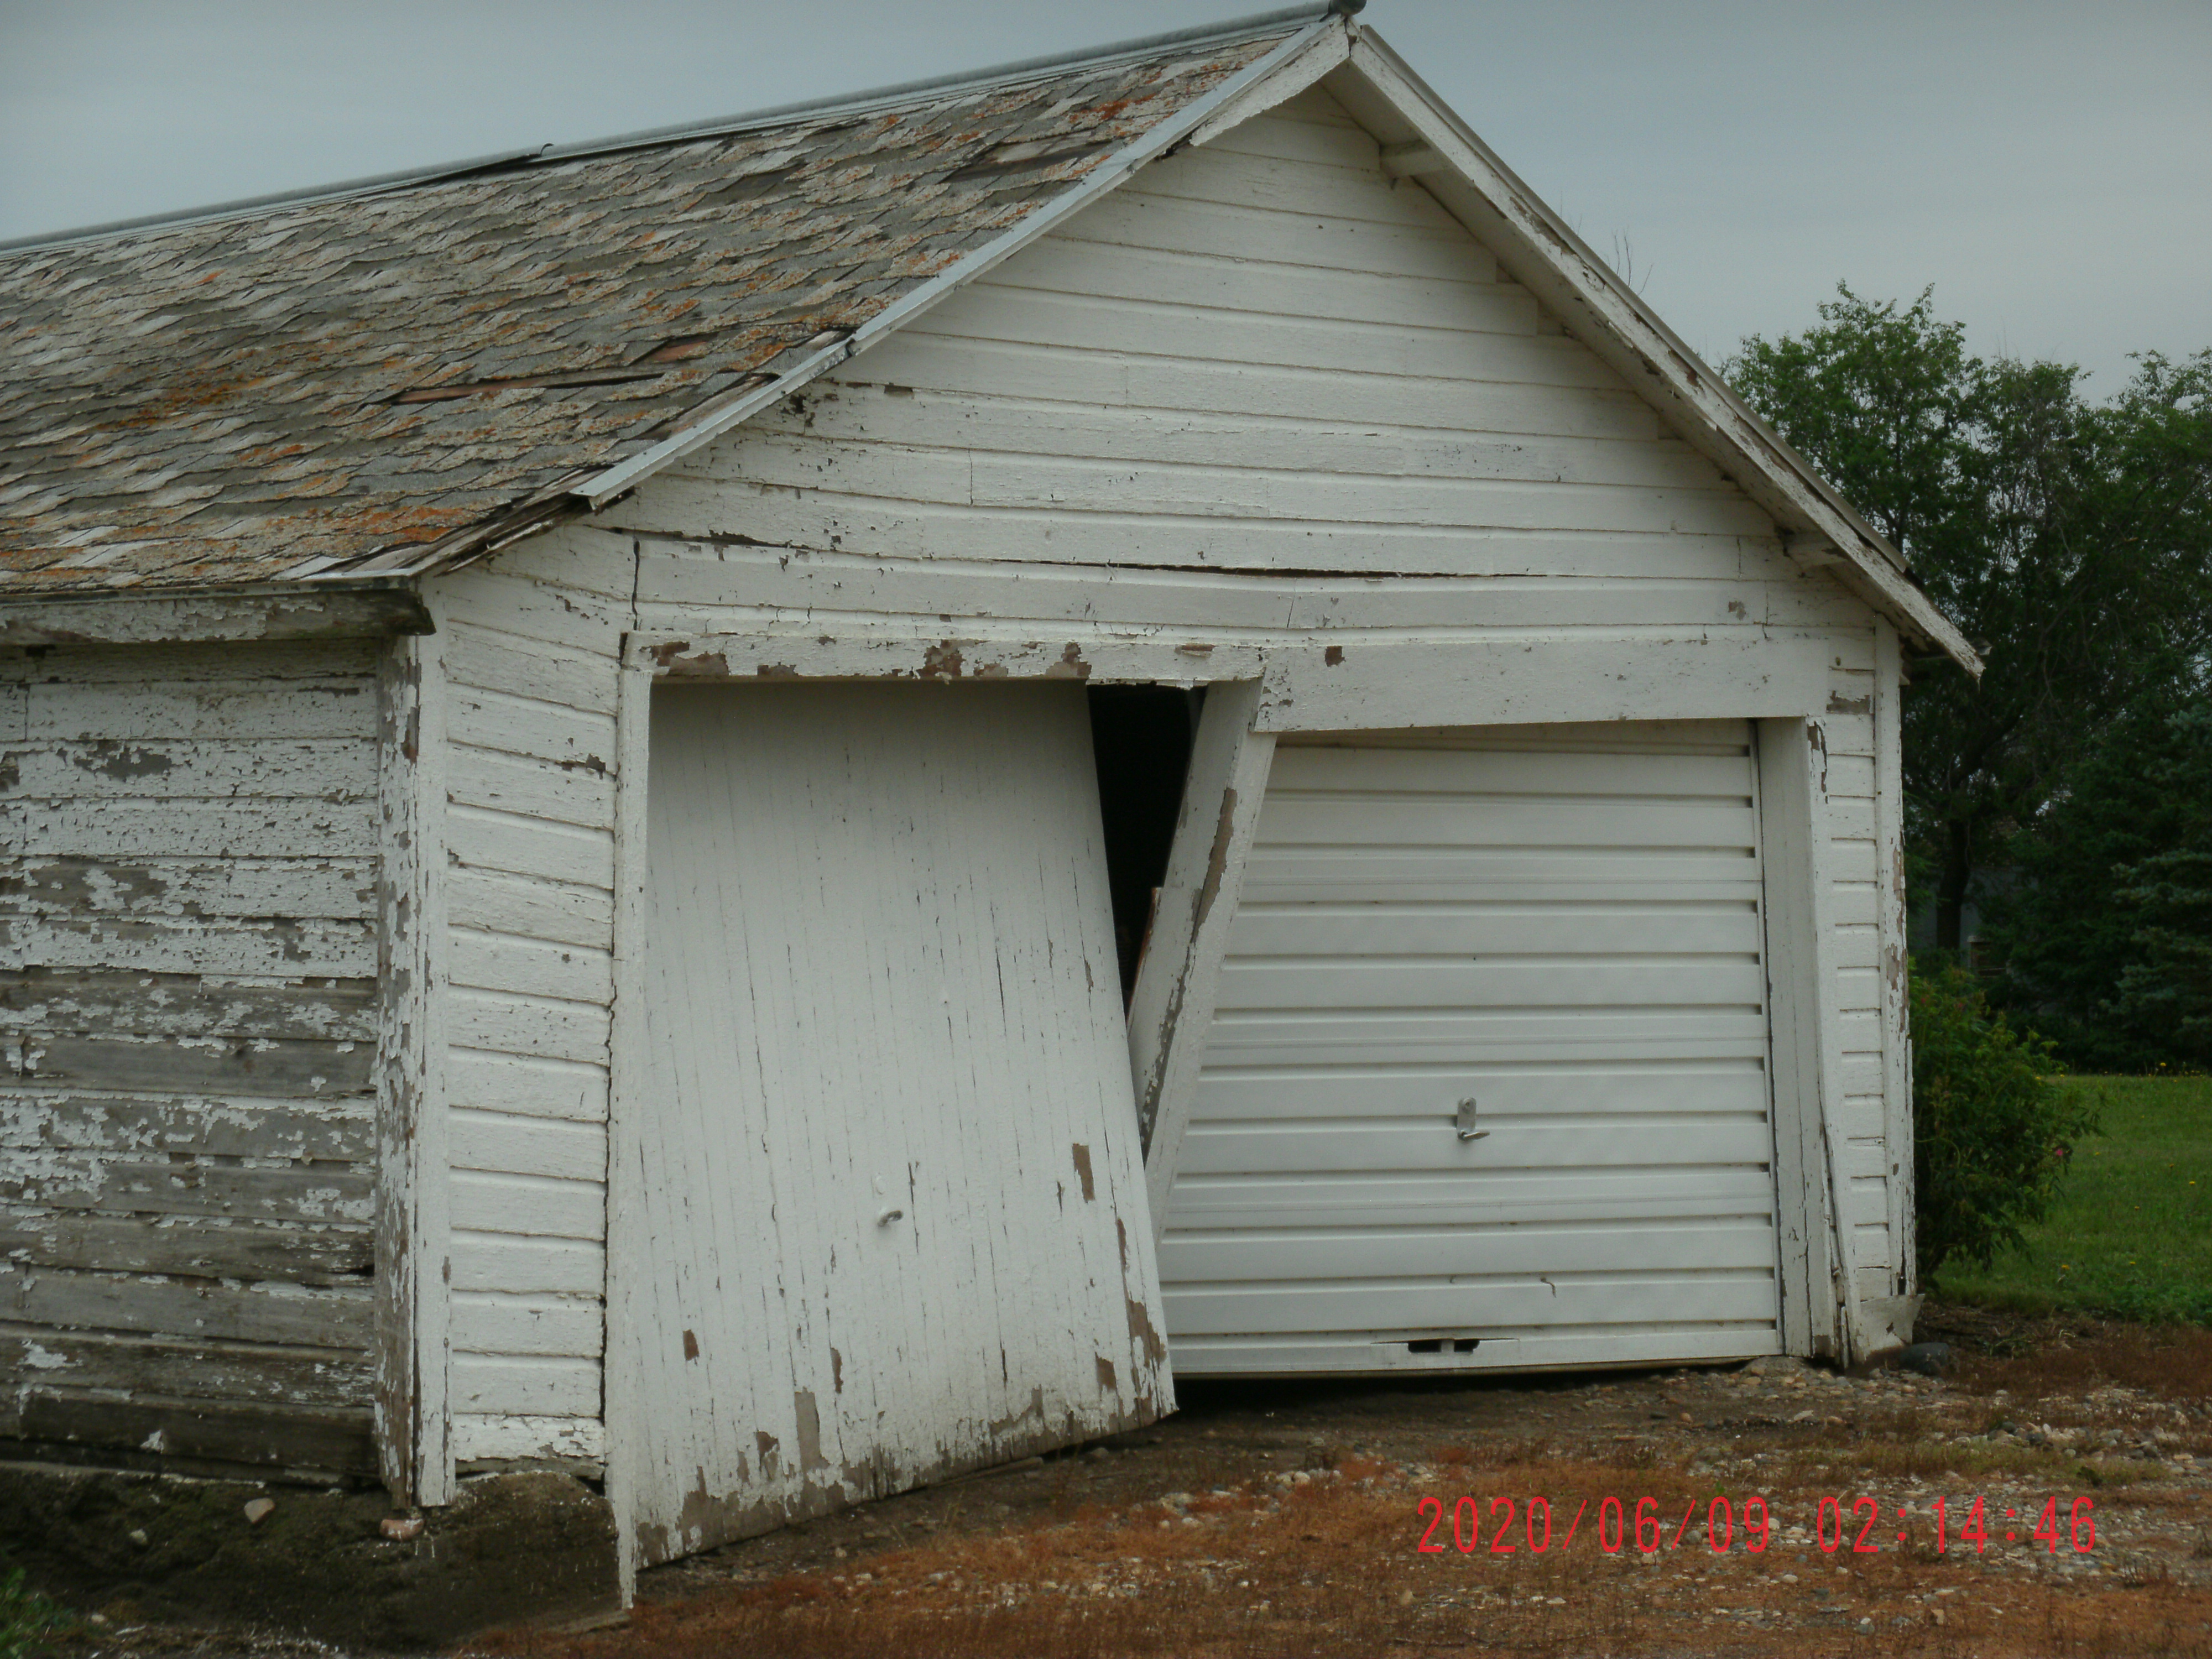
<point>2071,541</point>
<point>2107,930</point>
<point>1992,1127</point>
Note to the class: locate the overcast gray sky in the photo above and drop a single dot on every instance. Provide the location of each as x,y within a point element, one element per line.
<point>2047,166</point>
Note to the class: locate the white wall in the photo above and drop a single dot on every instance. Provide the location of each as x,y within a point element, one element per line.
<point>530,686</point>
<point>1257,397</point>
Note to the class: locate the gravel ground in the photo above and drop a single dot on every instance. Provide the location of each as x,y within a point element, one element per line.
<point>1289,1517</point>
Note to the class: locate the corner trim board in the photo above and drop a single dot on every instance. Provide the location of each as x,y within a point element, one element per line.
<point>1819,1289</point>
<point>413,1227</point>
<point>628,1083</point>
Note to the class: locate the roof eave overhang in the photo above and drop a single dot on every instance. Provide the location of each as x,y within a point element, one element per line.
<point>1542,253</point>
<point>1535,246</point>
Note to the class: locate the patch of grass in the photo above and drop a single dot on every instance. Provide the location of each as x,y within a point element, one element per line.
<point>2130,1232</point>
<point>25,1617</point>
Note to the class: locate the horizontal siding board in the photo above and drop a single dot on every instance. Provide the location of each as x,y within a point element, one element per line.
<point>332,1318</point>
<point>480,1437</point>
<point>690,585</point>
<point>1293,819</point>
<point>170,1184</point>
<point>312,946</point>
<point>525,1266</point>
<point>202,1124</point>
<point>118,769</point>
<point>338,706</point>
<point>280,1067</point>
<point>526,1385</point>
<point>259,1433</point>
<point>199,1369</point>
<point>537,1027</point>
<point>517,666</point>
<point>136,1004</point>
<point>1181,490</point>
<point>499,1142</point>
<point>577,792</point>
<point>519,845</point>
<point>916,428</point>
<point>934,530</point>
<point>206,665</point>
<point>1346,1202</point>
<point>138,829</point>
<point>1010,368</point>
<point>532,728</point>
<point>1093,270</point>
<point>501,1323</point>
<point>533,1086</point>
<point>531,1206</point>
<point>501,961</point>
<point>1206,174</point>
<point>1658,1341</point>
<point>236,888</point>
<point>187,1247</point>
<point>531,907</point>
<point>1134,218</point>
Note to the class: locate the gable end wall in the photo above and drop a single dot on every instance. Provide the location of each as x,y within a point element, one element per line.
<point>1222,408</point>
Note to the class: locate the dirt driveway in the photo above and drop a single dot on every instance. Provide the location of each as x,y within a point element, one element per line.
<point>1668,1513</point>
<point>1291,1519</point>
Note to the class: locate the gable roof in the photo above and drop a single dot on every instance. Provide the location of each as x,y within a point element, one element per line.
<point>375,377</point>
<point>386,379</point>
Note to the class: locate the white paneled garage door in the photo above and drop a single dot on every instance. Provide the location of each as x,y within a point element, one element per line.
<point>1487,1084</point>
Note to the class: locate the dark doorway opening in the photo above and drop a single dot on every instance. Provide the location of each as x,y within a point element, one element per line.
<point>1140,736</point>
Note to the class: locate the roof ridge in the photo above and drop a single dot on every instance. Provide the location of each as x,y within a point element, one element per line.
<point>886,97</point>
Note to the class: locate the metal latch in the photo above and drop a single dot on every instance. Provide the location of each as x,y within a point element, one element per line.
<point>1465,1120</point>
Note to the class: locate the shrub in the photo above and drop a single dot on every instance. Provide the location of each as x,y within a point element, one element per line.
<point>1992,1127</point>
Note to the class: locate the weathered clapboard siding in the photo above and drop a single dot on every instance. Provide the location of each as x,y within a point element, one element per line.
<point>187,989</point>
<point>531,649</point>
<point>1862,923</point>
<point>1257,393</point>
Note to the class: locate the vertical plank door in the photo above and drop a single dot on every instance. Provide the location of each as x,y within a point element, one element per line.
<point>891,1222</point>
<point>1487,1083</point>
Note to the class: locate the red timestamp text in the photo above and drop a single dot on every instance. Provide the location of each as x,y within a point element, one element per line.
<point>1514,1526</point>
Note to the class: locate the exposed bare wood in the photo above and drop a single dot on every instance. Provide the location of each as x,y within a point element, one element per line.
<point>188,1247</point>
<point>1819,1284</point>
<point>1172,1008</point>
<point>254,615</point>
<point>259,1434</point>
<point>202,1368</point>
<point>413,1425</point>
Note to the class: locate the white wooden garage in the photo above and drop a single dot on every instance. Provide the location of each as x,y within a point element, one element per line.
<point>962,751</point>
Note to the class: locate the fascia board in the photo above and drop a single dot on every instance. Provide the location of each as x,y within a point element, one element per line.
<point>1544,255</point>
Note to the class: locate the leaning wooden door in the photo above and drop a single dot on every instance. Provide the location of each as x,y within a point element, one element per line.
<point>888,1216</point>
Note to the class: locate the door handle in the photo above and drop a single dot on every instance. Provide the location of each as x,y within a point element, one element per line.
<point>1464,1122</point>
